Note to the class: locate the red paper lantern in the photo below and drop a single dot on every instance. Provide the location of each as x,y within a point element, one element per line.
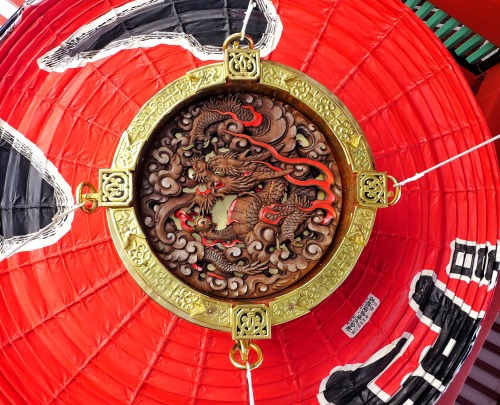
<point>74,325</point>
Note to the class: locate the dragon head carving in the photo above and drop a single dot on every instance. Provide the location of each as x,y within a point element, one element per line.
<point>230,173</point>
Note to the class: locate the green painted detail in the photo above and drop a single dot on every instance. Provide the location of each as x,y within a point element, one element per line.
<point>457,37</point>
<point>438,16</point>
<point>447,27</point>
<point>412,3</point>
<point>481,53</point>
<point>464,40</point>
<point>472,43</point>
<point>424,10</point>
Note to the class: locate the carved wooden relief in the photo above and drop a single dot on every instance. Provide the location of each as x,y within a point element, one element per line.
<point>239,196</point>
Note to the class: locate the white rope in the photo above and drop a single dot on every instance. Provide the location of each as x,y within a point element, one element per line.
<point>251,400</point>
<point>35,235</point>
<point>422,174</point>
<point>251,5</point>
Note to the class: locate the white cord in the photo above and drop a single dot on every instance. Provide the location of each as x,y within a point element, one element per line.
<point>422,174</point>
<point>55,219</point>
<point>251,400</point>
<point>251,5</point>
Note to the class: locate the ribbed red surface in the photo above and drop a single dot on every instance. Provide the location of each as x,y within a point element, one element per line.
<point>75,328</point>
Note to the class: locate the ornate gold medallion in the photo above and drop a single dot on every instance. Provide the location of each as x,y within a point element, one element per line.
<point>241,195</point>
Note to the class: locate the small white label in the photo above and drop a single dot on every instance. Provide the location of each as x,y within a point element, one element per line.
<point>362,316</point>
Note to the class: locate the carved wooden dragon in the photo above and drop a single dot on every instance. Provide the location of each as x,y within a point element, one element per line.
<point>247,153</point>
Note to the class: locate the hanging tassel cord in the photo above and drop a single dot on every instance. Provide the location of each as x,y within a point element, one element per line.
<point>251,399</point>
<point>422,174</point>
<point>251,6</point>
<point>35,235</point>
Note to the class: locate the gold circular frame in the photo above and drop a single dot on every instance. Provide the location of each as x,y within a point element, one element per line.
<point>351,151</point>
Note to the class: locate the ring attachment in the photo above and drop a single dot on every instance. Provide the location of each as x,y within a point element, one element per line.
<point>90,198</point>
<point>236,39</point>
<point>244,346</point>
<point>397,191</point>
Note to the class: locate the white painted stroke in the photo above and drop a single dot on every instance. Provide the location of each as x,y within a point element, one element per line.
<point>62,192</point>
<point>7,9</point>
<point>59,58</point>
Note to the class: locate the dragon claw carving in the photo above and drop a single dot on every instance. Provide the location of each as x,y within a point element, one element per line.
<point>256,268</point>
